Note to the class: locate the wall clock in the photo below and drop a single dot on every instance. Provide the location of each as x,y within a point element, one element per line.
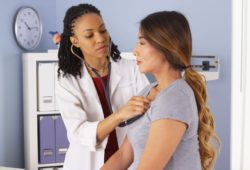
<point>28,28</point>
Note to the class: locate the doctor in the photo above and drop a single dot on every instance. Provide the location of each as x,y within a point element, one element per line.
<point>94,83</point>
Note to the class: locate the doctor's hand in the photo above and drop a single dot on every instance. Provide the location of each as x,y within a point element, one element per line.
<point>137,105</point>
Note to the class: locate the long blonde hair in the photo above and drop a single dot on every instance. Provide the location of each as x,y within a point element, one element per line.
<point>169,32</point>
<point>206,129</point>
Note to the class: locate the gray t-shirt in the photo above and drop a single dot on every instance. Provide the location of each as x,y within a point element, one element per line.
<point>177,101</point>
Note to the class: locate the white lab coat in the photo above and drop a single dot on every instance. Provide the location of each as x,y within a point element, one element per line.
<point>81,111</point>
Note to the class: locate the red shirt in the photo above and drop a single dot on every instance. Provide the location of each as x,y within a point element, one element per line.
<point>112,145</point>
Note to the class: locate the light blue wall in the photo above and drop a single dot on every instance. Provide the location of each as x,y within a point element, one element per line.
<point>61,7</point>
<point>11,114</point>
<point>211,27</point>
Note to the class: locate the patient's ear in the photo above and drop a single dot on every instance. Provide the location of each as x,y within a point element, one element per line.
<point>74,41</point>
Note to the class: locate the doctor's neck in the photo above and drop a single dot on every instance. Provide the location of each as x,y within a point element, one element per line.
<point>99,65</point>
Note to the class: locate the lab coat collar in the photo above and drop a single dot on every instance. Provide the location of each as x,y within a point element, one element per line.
<point>89,84</point>
<point>115,77</point>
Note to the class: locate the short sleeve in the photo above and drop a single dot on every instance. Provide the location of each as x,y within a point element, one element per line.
<point>146,90</point>
<point>174,105</point>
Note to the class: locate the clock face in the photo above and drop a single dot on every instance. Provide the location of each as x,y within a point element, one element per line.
<point>28,28</point>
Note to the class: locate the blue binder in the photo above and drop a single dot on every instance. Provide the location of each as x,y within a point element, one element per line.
<point>62,143</point>
<point>46,140</point>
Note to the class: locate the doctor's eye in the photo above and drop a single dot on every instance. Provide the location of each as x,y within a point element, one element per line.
<point>88,36</point>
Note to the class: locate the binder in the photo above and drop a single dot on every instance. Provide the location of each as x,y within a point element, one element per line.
<point>46,86</point>
<point>46,140</point>
<point>62,143</point>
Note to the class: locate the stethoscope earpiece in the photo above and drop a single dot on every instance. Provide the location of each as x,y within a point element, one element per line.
<point>71,49</point>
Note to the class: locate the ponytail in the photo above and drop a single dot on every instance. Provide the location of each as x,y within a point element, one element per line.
<point>206,129</point>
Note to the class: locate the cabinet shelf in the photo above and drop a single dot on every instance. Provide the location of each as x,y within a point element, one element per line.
<point>48,112</point>
<point>50,165</point>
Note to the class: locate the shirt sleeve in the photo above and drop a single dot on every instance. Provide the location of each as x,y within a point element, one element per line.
<point>79,129</point>
<point>174,105</point>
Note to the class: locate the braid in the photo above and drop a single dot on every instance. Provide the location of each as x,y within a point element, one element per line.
<point>206,130</point>
<point>68,63</point>
<point>115,53</point>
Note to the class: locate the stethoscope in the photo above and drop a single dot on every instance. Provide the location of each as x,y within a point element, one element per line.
<point>106,89</point>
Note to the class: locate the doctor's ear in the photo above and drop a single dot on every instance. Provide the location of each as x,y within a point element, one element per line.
<point>74,41</point>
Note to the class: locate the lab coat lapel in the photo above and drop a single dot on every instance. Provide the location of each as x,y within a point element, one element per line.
<point>114,78</point>
<point>89,87</point>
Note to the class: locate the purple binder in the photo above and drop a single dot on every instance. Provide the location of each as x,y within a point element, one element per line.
<point>46,140</point>
<point>62,143</point>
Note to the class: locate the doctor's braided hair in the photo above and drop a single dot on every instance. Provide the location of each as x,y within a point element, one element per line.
<point>173,38</point>
<point>68,62</point>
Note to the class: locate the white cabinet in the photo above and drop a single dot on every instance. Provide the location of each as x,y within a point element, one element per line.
<point>43,126</point>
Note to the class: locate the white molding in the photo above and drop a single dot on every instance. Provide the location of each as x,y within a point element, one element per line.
<point>246,89</point>
<point>236,91</point>
<point>240,116</point>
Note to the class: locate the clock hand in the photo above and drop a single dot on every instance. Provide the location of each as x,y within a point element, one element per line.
<point>27,25</point>
<point>33,28</point>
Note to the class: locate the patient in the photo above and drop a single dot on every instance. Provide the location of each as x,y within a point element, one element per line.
<point>175,132</point>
